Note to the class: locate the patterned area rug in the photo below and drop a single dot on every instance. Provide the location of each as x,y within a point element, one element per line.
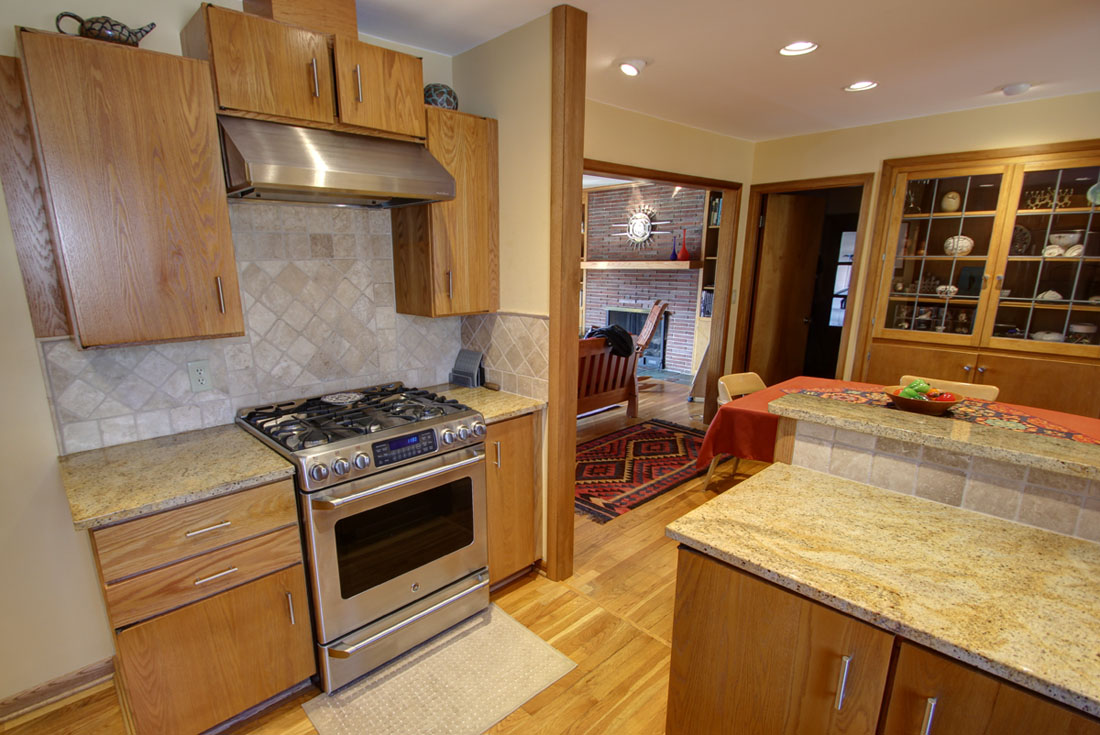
<point>620,471</point>
<point>987,413</point>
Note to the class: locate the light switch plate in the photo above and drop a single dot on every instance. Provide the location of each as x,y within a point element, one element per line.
<point>199,373</point>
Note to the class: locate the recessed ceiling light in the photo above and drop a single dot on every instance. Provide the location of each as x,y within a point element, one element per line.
<point>860,86</point>
<point>798,48</point>
<point>631,67</point>
<point>1011,90</point>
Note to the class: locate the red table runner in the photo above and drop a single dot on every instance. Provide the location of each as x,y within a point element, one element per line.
<point>745,429</point>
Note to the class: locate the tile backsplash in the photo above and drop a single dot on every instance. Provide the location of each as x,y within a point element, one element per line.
<point>516,349</point>
<point>318,294</point>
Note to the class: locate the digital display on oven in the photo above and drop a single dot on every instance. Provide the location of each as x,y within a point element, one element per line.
<point>404,441</point>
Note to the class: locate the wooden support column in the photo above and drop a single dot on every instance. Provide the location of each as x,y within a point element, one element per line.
<point>568,42</point>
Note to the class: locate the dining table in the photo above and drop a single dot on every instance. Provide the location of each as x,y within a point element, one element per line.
<point>744,428</point>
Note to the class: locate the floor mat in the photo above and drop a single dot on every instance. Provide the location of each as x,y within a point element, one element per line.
<point>626,468</point>
<point>462,682</point>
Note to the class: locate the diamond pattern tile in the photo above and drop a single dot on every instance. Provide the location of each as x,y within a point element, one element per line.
<point>516,349</point>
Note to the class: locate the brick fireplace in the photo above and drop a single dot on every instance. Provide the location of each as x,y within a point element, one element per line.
<point>637,289</point>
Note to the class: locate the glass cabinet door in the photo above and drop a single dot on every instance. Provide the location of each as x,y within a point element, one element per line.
<point>1049,291</point>
<point>944,241</point>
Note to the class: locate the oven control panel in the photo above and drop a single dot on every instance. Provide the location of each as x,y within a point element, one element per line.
<point>403,447</point>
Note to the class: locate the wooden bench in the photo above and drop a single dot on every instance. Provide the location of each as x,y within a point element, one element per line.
<point>605,379</point>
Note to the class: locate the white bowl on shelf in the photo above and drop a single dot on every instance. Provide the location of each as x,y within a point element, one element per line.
<point>1082,329</point>
<point>1064,239</point>
<point>1075,251</point>
<point>958,245</point>
<point>1048,336</point>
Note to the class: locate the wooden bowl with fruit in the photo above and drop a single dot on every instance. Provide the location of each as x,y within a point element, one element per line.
<point>919,397</point>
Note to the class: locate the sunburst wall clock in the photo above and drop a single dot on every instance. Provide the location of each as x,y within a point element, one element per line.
<point>639,228</point>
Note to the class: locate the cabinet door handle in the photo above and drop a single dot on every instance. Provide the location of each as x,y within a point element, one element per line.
<point>290,607</point>
<point>1000,281</point>
<point>212,577</point>
<point>450,286</point>
<point>967,368</point>
<point>929,713</point>
<point>221,293</point>
<point>842,682</point>
<point>208,529</point>
<point>497,463</point>
<point>358,84</point>
<point>981,370</point>
<point>985,281</point>
<point>316,83</point>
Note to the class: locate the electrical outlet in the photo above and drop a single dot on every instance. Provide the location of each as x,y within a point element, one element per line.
<point>199,373</point>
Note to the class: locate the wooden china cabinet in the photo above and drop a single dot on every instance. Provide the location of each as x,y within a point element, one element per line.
<point>990,273</point>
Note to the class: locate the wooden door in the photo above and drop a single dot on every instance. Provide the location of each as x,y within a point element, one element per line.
<point>890,361</point>
<point>190,669</point>
<point>969,702</point>
<point>269,67</point>
<point>378,88</point>
<point>750,658</point>
<point>510,487</point>
<point>1058,385</point>
<point>465,230</point>
<point>131,157</point>
<point>783,294</point>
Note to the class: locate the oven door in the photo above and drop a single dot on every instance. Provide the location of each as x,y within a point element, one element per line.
<point>383,542</point>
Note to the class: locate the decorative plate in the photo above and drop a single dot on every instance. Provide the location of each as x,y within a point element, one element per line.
<point>1021,240</point>
<point>342,399</point>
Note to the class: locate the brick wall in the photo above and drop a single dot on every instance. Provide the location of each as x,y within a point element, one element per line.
<point>625,289</point>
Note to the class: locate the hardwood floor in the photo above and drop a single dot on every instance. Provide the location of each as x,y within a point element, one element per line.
<point>613,617</point>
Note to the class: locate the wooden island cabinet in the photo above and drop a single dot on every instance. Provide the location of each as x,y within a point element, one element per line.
<point>510,495</point>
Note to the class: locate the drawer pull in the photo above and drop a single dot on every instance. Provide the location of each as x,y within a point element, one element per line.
<point>290,607</point>
<point>212,577</point>
<point>208,529</point>
<point>929,712</point>
<point>497,463</point>
<point>842,683</point>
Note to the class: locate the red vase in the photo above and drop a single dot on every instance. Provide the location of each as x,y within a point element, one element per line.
<point>683,254</point>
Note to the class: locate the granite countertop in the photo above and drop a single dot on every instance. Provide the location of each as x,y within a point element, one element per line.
<point>130,480</point>
<point>1029,450</point>
<point>494,405</point>
<point>1012,600</point>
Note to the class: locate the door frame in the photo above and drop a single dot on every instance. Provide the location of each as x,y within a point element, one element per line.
<point>745,294</point>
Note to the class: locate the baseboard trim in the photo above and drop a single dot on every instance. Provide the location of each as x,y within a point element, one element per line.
<point>57,689</point>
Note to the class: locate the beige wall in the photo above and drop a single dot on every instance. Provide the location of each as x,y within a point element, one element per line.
<point>863,149</point>
<point>51,614</point>
<point>621,136</point>
<point>508,78</point>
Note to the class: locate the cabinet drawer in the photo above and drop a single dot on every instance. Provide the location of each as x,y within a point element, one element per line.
<point>153,541</point>
<point>146,595</point>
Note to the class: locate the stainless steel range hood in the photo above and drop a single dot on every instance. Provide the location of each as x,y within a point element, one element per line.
<point>271,161</point>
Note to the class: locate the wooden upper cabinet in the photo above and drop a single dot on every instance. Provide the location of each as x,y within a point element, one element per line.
<point>378,88</point>
<point>933,694</point>
<point>265,66</point>
<point>446,254</point>
<point>750,657</point>
<point>132,164</point>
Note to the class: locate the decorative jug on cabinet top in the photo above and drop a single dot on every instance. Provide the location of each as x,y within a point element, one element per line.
<point>103,28</point>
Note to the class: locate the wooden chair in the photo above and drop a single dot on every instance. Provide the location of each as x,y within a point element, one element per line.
<point>605,379</point>
<point>730,387</point>
<point>969,390</point>
<point>645,336</point>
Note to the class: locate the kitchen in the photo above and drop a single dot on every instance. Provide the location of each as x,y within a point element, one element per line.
<point>40,534</point>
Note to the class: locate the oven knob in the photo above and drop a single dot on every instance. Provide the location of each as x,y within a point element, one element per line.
<point>318,472</point>
<point>340,466</point>
<point>478,428</point>
<point>361,461</point>
<point>463,433</point>
<point>448,436</point>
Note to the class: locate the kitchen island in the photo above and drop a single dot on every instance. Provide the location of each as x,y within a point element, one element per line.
<point>1016,602</point>
<point>1047,477</point>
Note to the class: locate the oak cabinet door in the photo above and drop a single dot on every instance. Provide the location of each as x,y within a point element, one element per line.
<point>270,67</point>
<point>890,361</point>
<point>204,663</point>
<point>131,158</point>
<point>446,253</point>
<point>750,658</point>
<point>933,694</point>
<point>379,88</point>
<point>510,488</point>
<point>1043,382</point>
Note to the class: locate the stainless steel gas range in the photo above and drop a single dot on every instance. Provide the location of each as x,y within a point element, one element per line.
<point>391,487</point>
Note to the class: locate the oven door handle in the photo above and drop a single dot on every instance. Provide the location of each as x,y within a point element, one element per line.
<point>328,502</point>
<point>349,650</point>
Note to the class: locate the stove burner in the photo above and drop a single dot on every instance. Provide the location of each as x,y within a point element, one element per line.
<point>342,399</point>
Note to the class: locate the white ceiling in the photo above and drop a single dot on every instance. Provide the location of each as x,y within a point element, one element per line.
<point>714,64</point>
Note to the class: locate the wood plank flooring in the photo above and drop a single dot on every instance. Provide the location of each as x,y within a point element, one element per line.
<point>613,617</point>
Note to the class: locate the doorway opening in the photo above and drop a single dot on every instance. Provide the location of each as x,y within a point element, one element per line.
<point>801,263</point>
